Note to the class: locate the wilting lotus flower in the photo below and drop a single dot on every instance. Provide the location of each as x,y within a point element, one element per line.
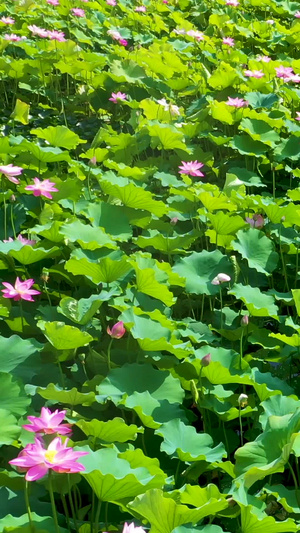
<point>297,14</point>
<point>21,290</point>
<point>117,331</point>
<point>205,361</point>
<point>264,59</point>
<point>228,41</point>
<point>236,102</point>
<point>131,528</point>
<point>48,423</point>
<point>173,109</point>
<point>254,73</point>
<point>116,97</point>
<point>78,12</point>
<point>7,20</point>
<point>198,35</point>
<point>298,115</point>
<point>191,168</point>
<point>10,171</point>
<point>42,188</point>
<point>256,221</point>
<point>221,278</point>
<point>38,460</point>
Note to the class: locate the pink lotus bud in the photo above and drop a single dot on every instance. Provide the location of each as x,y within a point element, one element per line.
<point>173,221</point>
<point>93,160</point>
<point>206,360</point>
<point>221,278</point>
<point>245,320</point>
<point>257,221</point>
<point>117,331</point>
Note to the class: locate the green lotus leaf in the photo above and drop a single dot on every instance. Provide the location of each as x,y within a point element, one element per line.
<point>197,497</point>
<point>278,406</point>
<point>28,255</point>
<point>46,155</point>
<point>115,430</point>
<point>41,524</point>
<point>200,268</point>
<point>288,149</point>
<point>260,131</point>
<point>225,224</point>
<point>169,245</point>
<point>21,112</point>
<point>185,443</point>
<point>14,351</point>
<point>113,478</point>
<point>106,271</point>
<point>289,499</point>
<point>241,176</point>
<point>69,397</point>
<point>88,237</point>
<point>60,136</point>
<point>166,137</point>
<point>111,218</point>
<point>251,523</point>
<point>222,112</point>
<point>257,302</point>
<point>258,100</point>
<point>224,76</point>
<point>135,197</point>
<point>258,249</point>
<point>12,396</point>
<point>147,284</point>
<point>9,427</point>
<point>64,337</point>
<point>127,70</point>
<point>80,311</point>
<point>245,145</point>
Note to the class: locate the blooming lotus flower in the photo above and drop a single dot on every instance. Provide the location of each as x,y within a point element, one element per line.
<point>111,2</point>
<point>22,240</point>
<point>131,528</point>
<point>141,9</point>
<point>298,115</point>
<point>283,72</point>
<point>191,168</point>
<point>264,59</point>
<point>55,35</point>
<point>228,41</point>
<point>117,331</point>
<point>7,20</point>
<point>48,423</point>
<point>42,188</point>
<point>234,3</point>
<point>257,221</point>
<point>297,14</point>
<point>221,278</point>
<point>292,77</point>
<point>198,35</point>
<point>10,171</point>
<point>21,290</point>
<point>114,34</point>
<point>236,102</point>
<point>13,37</point>
<point>37,460</point>
<point>116,97</point>
<point>78,12</point>
<point>53,2</point>
<point>36,30</point>
<point>173,109</point>
<point>254,73</point>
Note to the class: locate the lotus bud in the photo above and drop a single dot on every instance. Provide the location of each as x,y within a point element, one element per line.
<point>93,160</point>
<point>243,400</point>
<point>173,221</point>
<point>117,331</point>
<point>221,278</point>
<point>245,320</point>
<point>45,275</point>
<point>12,198</point>
<point>206,360</point>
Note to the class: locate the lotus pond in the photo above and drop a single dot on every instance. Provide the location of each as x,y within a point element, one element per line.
<point>149,266</point>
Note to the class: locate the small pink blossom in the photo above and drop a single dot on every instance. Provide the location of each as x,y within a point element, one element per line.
<point>236,102</point>
<point>111,2</point>
<point>141,9</point>
<point>264,59</point>
<point>78,12</point>
<point>116,97</point>
<point>298,115</point>
<point>123,42</point>
<point>38,460</point>
<point>36,30</point>
<point>165,1</point>
<point>7,20</point>
<point>283,72</point>
<point>10,171</point>
<point>55,35</point>
<point>297,14</point>
<point>191,168</point>
<point>228,41</point>
<point>21,290</point>
<point>254,73</point>
<point>42,188</point>
<point>221,278</point>
<point>48,423</point>
<point>256,221</point>
<point>198,35</point>
<point>22,240</point>
<point>117,331</point>
<point>131,528</point>
<point>13,37</point>
<point>234,3</point>
<point>53,2</point>
<point>93,161</point>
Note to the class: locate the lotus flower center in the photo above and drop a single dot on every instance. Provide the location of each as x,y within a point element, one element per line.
<point>50,455</point>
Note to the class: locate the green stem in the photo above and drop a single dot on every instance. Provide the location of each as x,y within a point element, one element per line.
<point>241,348</point>
<point>22,316</point>
<point>293,475</point>
<point>63,499</point>
<point>53,502</point>
<point>225,437</point>
<point>97,517</point>
<point>12,221</point>
<point>92,512</point>
<point>221,304</point>
<point>274,182</point>
<point>177,473</point>
<point>241,426</point>
<point>72,503</point>
<point>31,525</point>
<point>108,354</point>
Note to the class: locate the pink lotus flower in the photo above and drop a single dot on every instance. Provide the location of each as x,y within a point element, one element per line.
<point>114,34</point>
<point>22,239</point>
<point>221,278</point>
<point>48,423</point>
<point>256,221</point>
<point>78,12</point>
<point>234,3</point>
<point>10,171</point>
<point>283,72</point>
<point>55,35</point>
<point>228,41</point>
<point>123,42</point>
<point>13,37</point>
<point>236,102</point>
<point>36,30</point>
<point>42,188</point>
<point>298,115</point>
<point>37,460</point>
<point>254,73</point>
<point>7,20</point>
<point>292,77</point>
<point>53,2</point>
<point>141,9</point>
<point>117,331</point>
<point>116,97</point>
<point>264,59</point>
<point>131,528</point>
<point>21,290</point>
<point>191,168</point>
<point>111,2</point>
<point>165,1</point>
<point>297,14</point>
<point>198,35</point>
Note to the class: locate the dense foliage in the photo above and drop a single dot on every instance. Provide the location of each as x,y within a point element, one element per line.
<point>149,256</point>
